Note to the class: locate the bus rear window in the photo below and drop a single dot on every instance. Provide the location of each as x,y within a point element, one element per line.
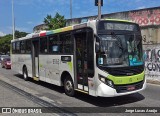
<point>122,26</point>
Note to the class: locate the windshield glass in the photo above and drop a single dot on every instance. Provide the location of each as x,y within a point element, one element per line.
<point>120,50</point>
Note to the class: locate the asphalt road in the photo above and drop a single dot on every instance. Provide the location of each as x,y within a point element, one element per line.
<point>55,96</point>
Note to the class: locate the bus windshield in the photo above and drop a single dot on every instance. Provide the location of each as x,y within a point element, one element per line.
<point>120,50</point>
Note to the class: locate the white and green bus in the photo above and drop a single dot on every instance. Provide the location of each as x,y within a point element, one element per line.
<point>99,58</point>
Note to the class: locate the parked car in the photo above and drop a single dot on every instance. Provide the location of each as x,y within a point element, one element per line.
<point>3,56</point>
<point>6,63</point>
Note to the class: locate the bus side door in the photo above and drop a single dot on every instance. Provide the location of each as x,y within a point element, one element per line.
<point>35,58</point>
<point>84,58</point>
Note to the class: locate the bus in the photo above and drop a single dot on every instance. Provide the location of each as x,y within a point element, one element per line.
<point>100,58</point>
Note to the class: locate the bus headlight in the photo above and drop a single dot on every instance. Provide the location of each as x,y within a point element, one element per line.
<point>106,81</point>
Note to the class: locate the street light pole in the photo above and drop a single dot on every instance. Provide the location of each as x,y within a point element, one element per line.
<point>13,21</point>
<point>71,10</point>
<point>99,9</point>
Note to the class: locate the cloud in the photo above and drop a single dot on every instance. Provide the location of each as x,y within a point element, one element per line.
<point>141,7</point>
<point>2,34</point>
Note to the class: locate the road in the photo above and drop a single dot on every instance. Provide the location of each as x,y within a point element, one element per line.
<point>51,95</point>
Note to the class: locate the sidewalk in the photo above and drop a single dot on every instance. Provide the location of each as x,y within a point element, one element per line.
<point>153,82</point>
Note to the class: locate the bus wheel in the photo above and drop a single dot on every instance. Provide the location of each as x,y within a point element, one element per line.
<point>69,86</point>
<point>25,74</point>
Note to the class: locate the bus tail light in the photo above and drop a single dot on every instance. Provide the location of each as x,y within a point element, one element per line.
<point>106,81</point>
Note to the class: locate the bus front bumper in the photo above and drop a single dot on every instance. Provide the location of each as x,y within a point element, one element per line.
<point>104,90</point>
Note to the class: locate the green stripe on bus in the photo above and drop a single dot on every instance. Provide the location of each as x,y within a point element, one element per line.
<point>70,66</point>
<point>119,20</point>
<point>120,80</point>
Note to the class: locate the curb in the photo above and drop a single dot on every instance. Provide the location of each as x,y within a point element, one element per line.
<point>153,82</point>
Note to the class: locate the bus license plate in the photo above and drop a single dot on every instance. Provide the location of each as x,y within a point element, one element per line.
<point>130,88</point>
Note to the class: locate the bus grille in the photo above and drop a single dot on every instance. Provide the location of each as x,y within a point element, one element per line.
<point>125,71</point>
<point>124,88</point>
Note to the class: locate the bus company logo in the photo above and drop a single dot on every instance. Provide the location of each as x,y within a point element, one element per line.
<point>6,110</point>
<point>55,61</point>
<point>129,74</point>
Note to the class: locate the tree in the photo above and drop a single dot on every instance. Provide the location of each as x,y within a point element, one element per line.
<point>19,34</point>
<point>54,23</point>
<point>5,41</point>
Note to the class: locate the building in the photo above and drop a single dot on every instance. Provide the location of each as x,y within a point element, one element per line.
<point>39,28</point>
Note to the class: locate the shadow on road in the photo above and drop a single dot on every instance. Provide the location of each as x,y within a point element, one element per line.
<point>97,101</point>
<point>110,101</point>
<point>44,84</point>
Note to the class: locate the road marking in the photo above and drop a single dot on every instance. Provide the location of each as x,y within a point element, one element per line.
<point>47,99</point>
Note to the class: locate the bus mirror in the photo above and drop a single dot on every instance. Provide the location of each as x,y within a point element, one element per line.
<point>97,47</point>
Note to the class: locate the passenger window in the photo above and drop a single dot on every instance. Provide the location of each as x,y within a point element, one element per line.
<point>28,46</point>
<point>43,45</point>
<point>22,47</point>
<point>66,43</point>
<point>54,44</point>
<point>18,47</point>
<point>13,48</point>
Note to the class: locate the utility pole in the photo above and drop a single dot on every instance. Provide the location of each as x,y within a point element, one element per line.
<point>99,9</point>
<point>99,3</point>
<point>13,21</point>
<point>71,10</point>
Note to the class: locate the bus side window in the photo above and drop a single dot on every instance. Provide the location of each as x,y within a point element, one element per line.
<point>23,43</point>
<point>53,44</point>
<point>43,45</point>
<point>66,43</point>
<point>13,48</point>
<point>18,47</point>
<point>28,46</point>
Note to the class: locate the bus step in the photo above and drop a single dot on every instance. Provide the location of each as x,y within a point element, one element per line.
<point>36,78</point>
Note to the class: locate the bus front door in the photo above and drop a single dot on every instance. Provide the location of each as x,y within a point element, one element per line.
<point>35,59</point>
<point>81,61</point>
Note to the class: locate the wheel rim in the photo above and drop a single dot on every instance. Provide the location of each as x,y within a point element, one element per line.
<point>69,86</point>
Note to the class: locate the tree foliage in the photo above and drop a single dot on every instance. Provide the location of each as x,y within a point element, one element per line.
<point>5,41</point>
<point>19,34</point>
<point>54,23</point>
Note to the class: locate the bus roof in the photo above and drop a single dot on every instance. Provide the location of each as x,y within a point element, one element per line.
<point>69,28</point>
<point>49,32</point>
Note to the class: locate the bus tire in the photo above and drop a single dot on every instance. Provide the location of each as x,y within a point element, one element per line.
<point>69,86</point>
<point>25,74</point>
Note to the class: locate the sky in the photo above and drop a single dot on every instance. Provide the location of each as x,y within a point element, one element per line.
<point>29,13</point>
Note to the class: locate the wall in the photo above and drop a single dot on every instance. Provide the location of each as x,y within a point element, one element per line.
<point>152,61</point>
<point>149,21</point>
